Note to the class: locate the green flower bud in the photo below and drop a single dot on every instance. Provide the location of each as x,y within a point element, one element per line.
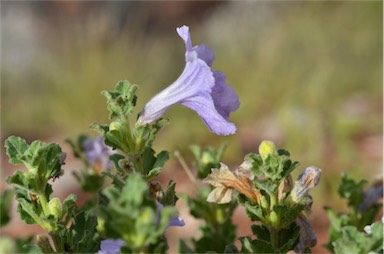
<point>264,202</point>
<point>267,148</point>
<point>55,208</point>
<point>220,216</point>
<point>100,225</point>
<point>116,125</point>
<point>274,219</point>
<point>207,158</point>
<point>7,245</point>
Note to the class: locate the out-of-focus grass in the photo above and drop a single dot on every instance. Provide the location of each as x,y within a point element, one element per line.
<point>309,77</point>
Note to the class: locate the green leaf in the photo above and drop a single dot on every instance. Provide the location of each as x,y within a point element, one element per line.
<point>42,160</point>
<point>21,181</point>
<point>5,207</point>
<point>289,238</point>
<point>134,190</point>
<point>255,246</point>
<point>353,241</point>
<point>261,232</point>
<point>154,128</point>
<point>335,220</point>
<point>288,214</point>
<point>19,245</point>
<point>154,164</point>
<point>122,100</point>
<point>206,159</point>
<point>82,234</point>
<point>246,245</point>
<point>69,205</point>
<point>351,190</point>
<point>116,158</point>
<point>89,183</point>
<point>15,149</point>
<point>77,148</point>
<point>27,212</point>
<point>254,212</point>
<point>99,128</point>
<point>170,197</point>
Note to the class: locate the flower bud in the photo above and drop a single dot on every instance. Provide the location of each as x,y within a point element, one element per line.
<point>100,225</point>
<point>274,219</point>
<point>207,158</point>
<point>116,125</point>
<point>264,202</point>
<point>55,207</point>
<point>266,149</point>
<point>7,245</point>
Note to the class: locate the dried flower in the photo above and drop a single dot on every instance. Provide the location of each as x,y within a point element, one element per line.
<point>307,235</point>
<point>225,180</point>
<point>306,181</point>
<point>198,88</point>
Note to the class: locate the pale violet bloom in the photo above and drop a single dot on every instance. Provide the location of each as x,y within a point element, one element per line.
<point>198,88</point>
<point>97,153</point>
<point>111,246</point>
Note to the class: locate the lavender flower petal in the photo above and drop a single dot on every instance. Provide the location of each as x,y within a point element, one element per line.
<point>224,96</point>
<point>199,88</point>
<point>176,221</point>
<point>215,122</point>
<point>111,246</point>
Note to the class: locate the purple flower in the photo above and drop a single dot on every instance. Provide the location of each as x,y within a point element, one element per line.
<point>198,88</point>
<point>175,221</point>
<point>97,153</point>
<point>110,246</point>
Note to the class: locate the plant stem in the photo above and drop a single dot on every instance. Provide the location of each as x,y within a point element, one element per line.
<point>44,203</point>
<point>274,238</point>
<point>187,170</point>
<point>130,143</point>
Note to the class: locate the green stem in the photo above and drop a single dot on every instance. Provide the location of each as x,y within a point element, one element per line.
<point>128,135</point>
<point>44,244</point>
<point>44,203</point>
<point>272,200</point>
<point>274,238</point>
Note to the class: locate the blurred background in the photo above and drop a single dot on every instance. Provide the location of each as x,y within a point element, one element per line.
<point>309,76</point>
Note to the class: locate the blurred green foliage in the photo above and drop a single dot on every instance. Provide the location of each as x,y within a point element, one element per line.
<point>308,74</point>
